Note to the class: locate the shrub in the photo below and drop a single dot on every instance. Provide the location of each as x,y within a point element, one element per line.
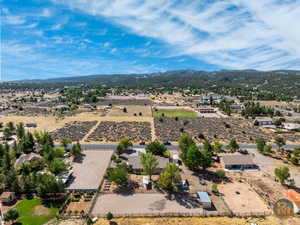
<point>109,216</point>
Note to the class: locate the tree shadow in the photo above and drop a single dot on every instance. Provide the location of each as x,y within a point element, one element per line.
<point>128,189</point>
<point>79,158</point>
<point>187,200</point>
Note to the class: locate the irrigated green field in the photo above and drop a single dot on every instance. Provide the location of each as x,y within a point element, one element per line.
<point>33,212</point>
<point>173,113</point>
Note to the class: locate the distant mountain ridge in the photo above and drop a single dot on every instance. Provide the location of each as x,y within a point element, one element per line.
<point>172,73</point>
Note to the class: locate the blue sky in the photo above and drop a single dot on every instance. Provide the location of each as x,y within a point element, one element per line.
<point>55,38</point>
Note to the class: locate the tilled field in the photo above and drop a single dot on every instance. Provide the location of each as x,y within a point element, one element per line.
<point>34,111</point>
<point>114,131</point>
<point>74,130</point>
<point>221,129</point>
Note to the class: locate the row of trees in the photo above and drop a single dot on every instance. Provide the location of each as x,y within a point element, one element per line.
<point>39,175</point>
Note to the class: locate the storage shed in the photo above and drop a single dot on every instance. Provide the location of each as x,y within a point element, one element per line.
<point>204,199</point>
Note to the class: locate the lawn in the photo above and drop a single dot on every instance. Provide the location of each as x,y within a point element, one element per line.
<point>173,113</point>
<point>34,212</point>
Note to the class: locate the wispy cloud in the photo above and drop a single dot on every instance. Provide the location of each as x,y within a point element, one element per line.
<point>235,34</point>
<point>34,62</point>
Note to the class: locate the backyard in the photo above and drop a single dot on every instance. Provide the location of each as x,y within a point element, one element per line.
<point>173,113</point>
<point>35,211</point>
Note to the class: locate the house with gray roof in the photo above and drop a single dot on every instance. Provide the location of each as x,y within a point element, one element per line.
<point>238,162</point>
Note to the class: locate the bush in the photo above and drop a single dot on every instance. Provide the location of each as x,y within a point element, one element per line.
<point>220,174</point>
<point>109,216</point>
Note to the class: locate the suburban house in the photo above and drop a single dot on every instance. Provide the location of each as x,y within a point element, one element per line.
<point>207,110</point>
<point>238,162</point>
<point>237,107</point>
<point>204,199</point>
<point>135,163</point>
<point>27,158</point>
<point>264,122</point>
<point>7,197</point>
<point>295,198</point>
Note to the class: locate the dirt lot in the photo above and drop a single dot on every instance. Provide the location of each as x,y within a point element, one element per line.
<point>201,221</point>
<point>137,204</point>
<point>131,111</point>
<point>241,198</point>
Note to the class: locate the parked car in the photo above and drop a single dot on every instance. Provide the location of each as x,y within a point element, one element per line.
<point>142,143</point>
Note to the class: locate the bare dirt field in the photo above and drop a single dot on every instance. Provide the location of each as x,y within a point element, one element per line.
<point>241,198</point>
<point>132,110</point>
<point>201,221</point>
<point>150,203</point>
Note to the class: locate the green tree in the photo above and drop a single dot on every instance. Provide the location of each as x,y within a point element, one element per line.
<point>10,125</point>
<point>280,141</point>
<point>7,133</point>
<point>57,166</point>
<point>118,175</point>
<point>267,150</point>
<point>206,159</point>
<point>149,163</point>
<point>192,157</point>
<point>47,184</point>
<point>282,174</point>
<point>217,147</point>
<point>64,142</point>
<point>20,130</point>
<point>233,145</point>
<point>170,177</point>
<point>156,148</point>
<point>220,174</point>
<point>123,145</point>
<point>260,144</point>
<point>12,215</point>
<point>185,142</point>
<point>76,150</point>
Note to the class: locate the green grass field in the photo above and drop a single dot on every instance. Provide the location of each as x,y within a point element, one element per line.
<point>173,113</point>
<point>33,212</point>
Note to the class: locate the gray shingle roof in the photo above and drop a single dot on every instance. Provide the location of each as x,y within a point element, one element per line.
<point>237,160</point>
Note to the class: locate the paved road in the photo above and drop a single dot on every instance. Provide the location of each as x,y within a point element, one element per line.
<point>169,147</point>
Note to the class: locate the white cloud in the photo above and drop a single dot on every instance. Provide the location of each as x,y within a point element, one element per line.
<point>34,62</point>
<point>46,13</point>
<point>114,50</point>
<point>235,34</point>
<point>14,20</point>
<point>56,27</point>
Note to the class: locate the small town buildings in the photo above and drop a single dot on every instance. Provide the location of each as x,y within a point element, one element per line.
<point>264,122</point>
<point>295,198</point>
<point>27,158</point>
<point>207,110</point>
<point>7,197</point>
<point>204,199</point>
<point>237,107</point>
<point>238,162</point>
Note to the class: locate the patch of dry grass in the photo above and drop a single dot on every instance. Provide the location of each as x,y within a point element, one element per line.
<point>203,221</point>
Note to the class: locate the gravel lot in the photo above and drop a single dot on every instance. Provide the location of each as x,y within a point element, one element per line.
<point>75,130</point>
<point>222,129</point>
<point>114,131</point>
<point>138,203</point>
<point>89,171</point>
